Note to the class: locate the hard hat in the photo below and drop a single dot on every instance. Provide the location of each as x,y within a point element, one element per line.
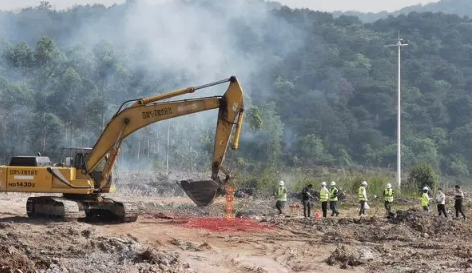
<point>389,186</point>
<point>425,188</point>
<point>281,183</point>
<point>333,183</point>
<point>364,183</point>
<point>323,183</point>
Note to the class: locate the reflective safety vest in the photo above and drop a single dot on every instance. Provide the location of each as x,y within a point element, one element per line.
<point>324,194</point>
<point>281,193</point>
<point>334,194</point>
<point>424,199</point>
<point>388,195</point>
<point>361,194</point>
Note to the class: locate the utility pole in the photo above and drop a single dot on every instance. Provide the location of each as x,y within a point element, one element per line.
<point>400,42</point>
<point>167,150</point>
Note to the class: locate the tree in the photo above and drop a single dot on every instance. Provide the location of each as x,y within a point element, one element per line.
<point>320,90</point>
<point>254,118</point>
<point>423,175</point>
<point>20,56</point>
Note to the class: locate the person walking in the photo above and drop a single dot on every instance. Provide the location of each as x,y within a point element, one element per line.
<point>306,198</point>
<point>362,194</point>
<point>333,200</point>
<point>459,198</point>
<point>441,200</point>
<point>281,197</point>
<point>425,199</point>
<point>388,196</point>
<point>324,196</point>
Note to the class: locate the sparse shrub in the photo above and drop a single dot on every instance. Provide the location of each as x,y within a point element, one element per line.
<point>422,175</point>
<point>264,180</point>
<point>298,178</point>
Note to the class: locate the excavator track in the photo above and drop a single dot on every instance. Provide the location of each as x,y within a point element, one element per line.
<point>124,212</point>
<point>53,207</point>
<point>71,209</point>
<point>109,210</point>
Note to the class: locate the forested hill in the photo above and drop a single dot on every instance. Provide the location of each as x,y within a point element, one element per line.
<point>320,90</point>
<point>458,7</point>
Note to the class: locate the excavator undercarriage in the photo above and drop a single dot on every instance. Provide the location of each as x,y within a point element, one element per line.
<point>73,207</point>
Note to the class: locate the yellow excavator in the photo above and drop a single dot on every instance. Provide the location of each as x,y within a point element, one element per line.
<point>84,174</point>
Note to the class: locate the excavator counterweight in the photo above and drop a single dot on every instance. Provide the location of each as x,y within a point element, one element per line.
<point>84,174</point>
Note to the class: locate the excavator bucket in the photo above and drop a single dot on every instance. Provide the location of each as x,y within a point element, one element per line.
<point>202,192</point>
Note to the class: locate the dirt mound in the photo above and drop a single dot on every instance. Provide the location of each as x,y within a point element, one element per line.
<point>125,246</point>
<point>34,246</point>
<point>184,245</point>
<point>423,222</point>
<point>351,256</point>
<point>11,260</point>
<point>151,260</point>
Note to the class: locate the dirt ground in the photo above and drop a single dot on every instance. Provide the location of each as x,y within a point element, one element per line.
<point>170,236</point>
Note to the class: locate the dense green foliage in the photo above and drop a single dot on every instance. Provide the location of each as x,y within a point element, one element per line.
<point>321,91</point>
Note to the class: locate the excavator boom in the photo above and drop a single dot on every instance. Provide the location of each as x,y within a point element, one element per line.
<point>146,111</point>
<point>132,119</point>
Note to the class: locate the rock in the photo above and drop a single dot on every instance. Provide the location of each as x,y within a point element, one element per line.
<point>244,192</point>
<point>365,255</point>
<point>12,250</point>
<point>163,267</point>
<point>87,232</point>
<point>189,245</point>
<point>245,214</point>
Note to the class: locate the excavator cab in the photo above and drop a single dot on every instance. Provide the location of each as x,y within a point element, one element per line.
<point>74,157</point>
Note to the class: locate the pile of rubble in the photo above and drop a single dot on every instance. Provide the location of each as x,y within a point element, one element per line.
<point>426,223</point>
<point>66,247</point>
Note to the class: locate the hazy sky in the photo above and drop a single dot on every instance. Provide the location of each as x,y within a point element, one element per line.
<point>327,5</point>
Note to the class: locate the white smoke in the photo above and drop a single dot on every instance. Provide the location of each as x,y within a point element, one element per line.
<point>188,44</point>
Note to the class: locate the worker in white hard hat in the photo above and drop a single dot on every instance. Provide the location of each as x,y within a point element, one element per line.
<point>324,196</point>
<point>333,199</point>
<point>281,197</point>
<point>388,196</point>
<point>362,194</point>
<point>425,199</point>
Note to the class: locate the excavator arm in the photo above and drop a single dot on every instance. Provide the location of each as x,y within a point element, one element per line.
<point>146,111</point>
